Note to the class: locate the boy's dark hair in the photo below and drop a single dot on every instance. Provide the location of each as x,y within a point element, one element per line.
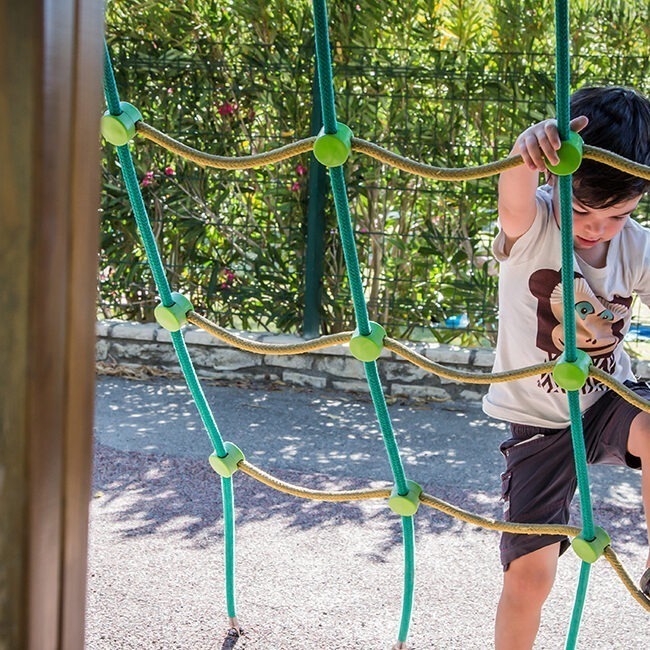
<point>619,121</point>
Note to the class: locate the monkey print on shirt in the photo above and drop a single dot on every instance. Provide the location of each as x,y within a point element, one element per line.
<point>600,324</point>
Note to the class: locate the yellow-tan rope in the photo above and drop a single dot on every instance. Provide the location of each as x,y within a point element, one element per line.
<point>448,509</point>
<point>429,171</point>
<point>405,352</point>
<point>224,162</point>
<point>619,388</point>
<point>383,493</point>
<point>496,524</point>
<point>308,493</point>
<point>344,337</point>
<point>266,348</point>
<point>637,594</point>
<point>378,153</point>
<point>460,375</point>
<point>616,161</point>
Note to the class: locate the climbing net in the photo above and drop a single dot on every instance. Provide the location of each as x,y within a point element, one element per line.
<point>332,147</point>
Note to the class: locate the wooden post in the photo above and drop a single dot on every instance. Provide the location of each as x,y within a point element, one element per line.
<point>50,102</point>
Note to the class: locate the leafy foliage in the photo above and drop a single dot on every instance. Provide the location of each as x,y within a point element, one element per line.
<point>449,82</point>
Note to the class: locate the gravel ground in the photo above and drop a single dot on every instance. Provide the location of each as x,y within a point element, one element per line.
<point>313,575</point>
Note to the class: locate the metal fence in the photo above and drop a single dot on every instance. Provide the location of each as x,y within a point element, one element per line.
<point>259,249</point>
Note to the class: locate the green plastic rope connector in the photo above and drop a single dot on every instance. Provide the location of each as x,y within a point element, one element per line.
<point>368,348</point>
<point>407,504</point>
<point>120,129</point>
<point>570,155</point>
<point>174,317</point>
<point>571,375</point>
<point>590,550</point>
<point>227,465</point>
<point>333,149</point>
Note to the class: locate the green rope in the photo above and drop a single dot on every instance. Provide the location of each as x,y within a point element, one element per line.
<point>349,249</point>
<point>324,65</point>
<point>110,87</point>
<point>162,285</point>
<point>408,533</point>
<point>228,498</point>
<point>197,393</point>
<point>133,190</point>
<point>576,617</point>
<point>562,99</point>
<point>385,425</point>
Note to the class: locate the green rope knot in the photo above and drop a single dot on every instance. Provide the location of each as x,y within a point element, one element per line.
<point>570,155</point>
<point>571,375</point>
<point>590,550</point>
<point>227,465</point>
<point>172,318</point>
<point>405,504</point>
<point>368,348</point>
<point>333,149</point>
<point>120,129</point>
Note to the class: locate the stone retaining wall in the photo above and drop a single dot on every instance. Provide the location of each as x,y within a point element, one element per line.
<point>137,344</point>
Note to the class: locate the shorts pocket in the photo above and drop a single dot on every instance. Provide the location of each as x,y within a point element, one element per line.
<point>506,478</point>
<point>520,448</point>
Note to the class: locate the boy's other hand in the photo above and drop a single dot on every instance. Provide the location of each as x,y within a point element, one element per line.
<point>542,140</point>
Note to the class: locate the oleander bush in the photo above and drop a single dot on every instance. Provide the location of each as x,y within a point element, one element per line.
<point>448,82</point>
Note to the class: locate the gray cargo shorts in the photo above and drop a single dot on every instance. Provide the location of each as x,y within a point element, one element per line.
<point>539,481</point>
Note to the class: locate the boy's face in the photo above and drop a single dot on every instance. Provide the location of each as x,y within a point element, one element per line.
<point>594,226</point>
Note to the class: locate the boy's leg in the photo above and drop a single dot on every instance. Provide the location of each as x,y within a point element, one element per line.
<point>638,444</point>
<point>537,487</point>
<point>526,585</point>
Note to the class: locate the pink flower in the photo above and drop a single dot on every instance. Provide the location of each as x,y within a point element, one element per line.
<point>227,109</point>
<point>170,171</point>
<point>363,230</point>
<point>300,170</point>
<point>227,278</point>
<point>147,180</point>
<point>295,187</point>
<point>170,91</point>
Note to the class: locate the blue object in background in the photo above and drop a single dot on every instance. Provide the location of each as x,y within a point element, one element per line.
<point>459,321</point>
<point>638,332</point>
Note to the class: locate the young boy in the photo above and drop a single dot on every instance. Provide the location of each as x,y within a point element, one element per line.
<point>611,264</point>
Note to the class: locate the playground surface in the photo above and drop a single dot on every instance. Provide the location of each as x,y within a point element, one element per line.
<point>314,575</point>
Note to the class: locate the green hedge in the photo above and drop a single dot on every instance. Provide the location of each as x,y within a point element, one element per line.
<point>450,87</point>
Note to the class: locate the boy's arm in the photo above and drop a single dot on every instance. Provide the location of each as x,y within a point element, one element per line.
<point>517,186</point>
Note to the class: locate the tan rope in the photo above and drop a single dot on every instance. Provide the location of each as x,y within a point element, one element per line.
<point>266,348</point>
<point>637,594</point>
<point>224,162</point>
<point>426,499</point>
<point>378,153</point>
<point>410,355</point>
<point>616,161</point>
<point>460,375</point>
<point>429,171</point>
<point>307,493</point>
<point>447,508</point>
<point>619,388</point>
<point>495,524</point>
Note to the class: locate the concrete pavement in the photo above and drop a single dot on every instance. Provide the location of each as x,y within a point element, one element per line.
<point>341,587</point>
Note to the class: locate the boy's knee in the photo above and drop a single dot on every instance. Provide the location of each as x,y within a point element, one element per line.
<point>529,579</point>
<point>639,438</point>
